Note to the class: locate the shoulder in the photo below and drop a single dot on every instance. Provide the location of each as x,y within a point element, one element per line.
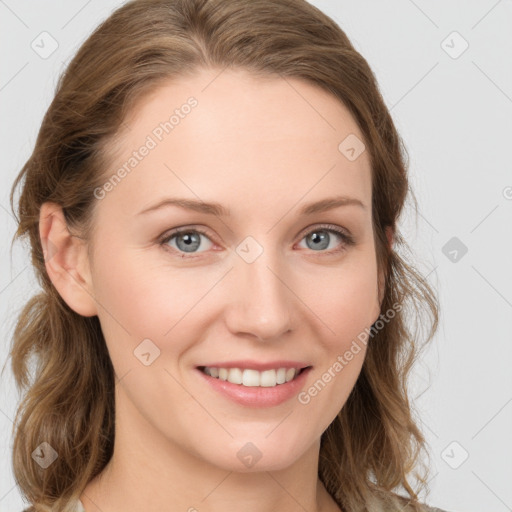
<point>404,505</point>
<point>77,507</point>
<point>423,508</point>
<point>427,508</point>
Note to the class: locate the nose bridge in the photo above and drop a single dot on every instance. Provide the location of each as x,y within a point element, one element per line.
<point>261,302</point>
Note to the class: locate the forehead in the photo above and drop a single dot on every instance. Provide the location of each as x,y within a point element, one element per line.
<point>218,133</point>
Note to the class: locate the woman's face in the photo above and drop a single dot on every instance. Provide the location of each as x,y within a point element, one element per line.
<point>253,281</point>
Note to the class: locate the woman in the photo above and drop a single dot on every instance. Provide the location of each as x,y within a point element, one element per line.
<point>212,205</point>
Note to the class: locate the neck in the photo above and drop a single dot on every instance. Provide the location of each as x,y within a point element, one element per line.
<point>150,472</point>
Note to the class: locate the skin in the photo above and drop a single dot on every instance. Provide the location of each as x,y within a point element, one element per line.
<point>262,148</point>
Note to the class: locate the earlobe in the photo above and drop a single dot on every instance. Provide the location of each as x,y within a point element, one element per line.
<point>66,261</point>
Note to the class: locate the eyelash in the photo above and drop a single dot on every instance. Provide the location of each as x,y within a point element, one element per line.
<point>347,239</point>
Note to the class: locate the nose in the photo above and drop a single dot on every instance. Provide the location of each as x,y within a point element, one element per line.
<point>260,300</point>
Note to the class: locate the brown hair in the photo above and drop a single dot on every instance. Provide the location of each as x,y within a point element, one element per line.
<point>372,447</point>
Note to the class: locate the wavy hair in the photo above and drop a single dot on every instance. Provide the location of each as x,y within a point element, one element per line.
<point>373,447</point>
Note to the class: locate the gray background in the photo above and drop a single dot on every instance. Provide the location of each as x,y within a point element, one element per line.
<point>454,113</point>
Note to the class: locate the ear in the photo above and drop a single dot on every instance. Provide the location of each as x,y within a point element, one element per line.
<point>390,234</point>
<point>66,261</point>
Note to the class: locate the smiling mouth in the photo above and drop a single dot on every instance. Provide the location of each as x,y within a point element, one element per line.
<point>254,378</point>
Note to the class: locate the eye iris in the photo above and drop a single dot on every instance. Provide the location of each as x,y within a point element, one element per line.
<point>189,241</point>
<point>192,241</point>
<point>322,237</point>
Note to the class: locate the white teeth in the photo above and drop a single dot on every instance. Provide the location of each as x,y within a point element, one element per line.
<point>253,378</point>
<point>268,378</point>
<point>290,373</point>
<point>235,376</point>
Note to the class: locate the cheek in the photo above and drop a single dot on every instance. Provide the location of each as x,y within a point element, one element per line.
<point>346,303</point>
<point>344,299</point>
<point>142,299</point>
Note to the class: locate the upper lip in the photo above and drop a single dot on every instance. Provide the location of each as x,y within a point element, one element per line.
<point>257,365</point>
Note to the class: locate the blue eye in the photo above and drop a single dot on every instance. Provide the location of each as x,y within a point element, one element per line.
<point>321,238</point>
<point>188,240</point>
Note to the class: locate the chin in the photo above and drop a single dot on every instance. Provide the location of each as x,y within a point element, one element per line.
<point>252,454</point>
<point>270,462</point>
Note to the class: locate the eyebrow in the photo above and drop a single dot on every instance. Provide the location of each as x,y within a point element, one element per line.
<point>217,209</point>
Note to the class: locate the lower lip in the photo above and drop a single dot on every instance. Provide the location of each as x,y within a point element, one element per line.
<point>256,396</point>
